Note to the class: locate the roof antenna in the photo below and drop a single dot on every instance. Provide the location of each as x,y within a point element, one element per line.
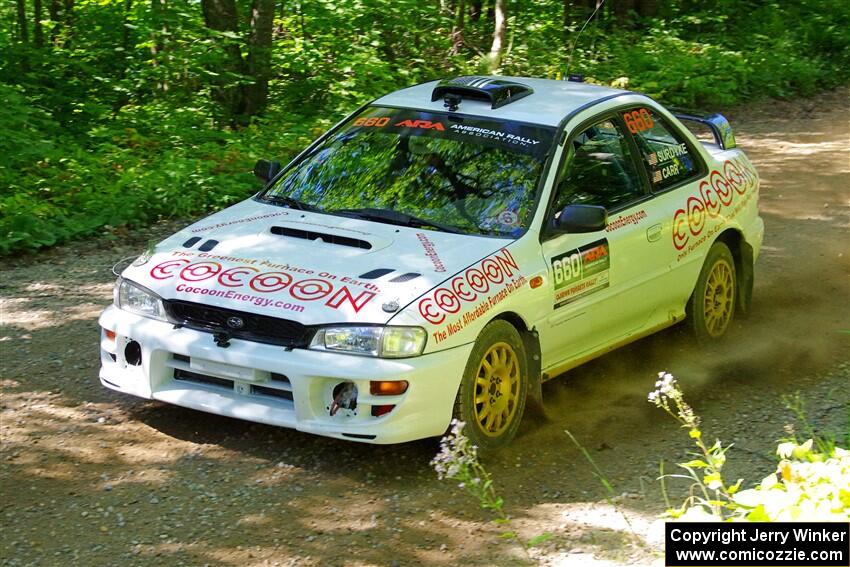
<point>579,78</point>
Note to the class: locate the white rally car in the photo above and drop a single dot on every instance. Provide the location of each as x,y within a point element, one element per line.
<point>442,251</point>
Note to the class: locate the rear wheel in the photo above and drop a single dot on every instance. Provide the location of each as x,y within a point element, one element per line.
<point>712,305</point>
<point>492,394</point>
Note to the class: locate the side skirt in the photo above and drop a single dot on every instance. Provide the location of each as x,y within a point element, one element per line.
<point>559,369</point>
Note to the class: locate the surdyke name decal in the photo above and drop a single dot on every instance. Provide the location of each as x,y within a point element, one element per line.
<point>263,277</point>
<point>716,196</point>
<point>490,277</point>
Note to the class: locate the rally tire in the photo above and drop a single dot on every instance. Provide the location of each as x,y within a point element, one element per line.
<point>712,305</point>
<point>494,388</point>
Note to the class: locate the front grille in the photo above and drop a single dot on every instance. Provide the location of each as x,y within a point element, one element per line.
<point>187,376</point>
<point>274,392</point>
<point>257,328</point>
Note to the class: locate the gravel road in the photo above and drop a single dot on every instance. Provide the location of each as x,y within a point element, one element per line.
<point>90,477</point>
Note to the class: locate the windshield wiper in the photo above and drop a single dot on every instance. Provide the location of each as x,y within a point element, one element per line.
<point>395,217</point>
<point>289,202</point>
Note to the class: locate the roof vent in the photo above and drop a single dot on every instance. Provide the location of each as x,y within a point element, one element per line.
<point>498,92</point>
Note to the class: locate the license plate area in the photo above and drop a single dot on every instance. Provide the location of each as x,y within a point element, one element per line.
<point>228,370</point>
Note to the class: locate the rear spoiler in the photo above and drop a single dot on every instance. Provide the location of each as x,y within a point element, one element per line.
<point>717,123</point>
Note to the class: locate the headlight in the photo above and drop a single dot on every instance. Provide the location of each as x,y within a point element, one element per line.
<point>136,299</point>
<point>384,342</point>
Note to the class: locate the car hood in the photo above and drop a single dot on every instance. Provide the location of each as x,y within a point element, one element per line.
<point>308,267</point>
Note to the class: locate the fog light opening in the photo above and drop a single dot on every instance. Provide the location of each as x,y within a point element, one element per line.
<point>345,397</point>
<point>378,411</point>
<point>133,353</point>
<point>387,387</point>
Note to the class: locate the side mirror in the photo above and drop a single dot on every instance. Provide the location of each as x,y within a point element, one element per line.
<point>265,170</point>
<point>581,218</point>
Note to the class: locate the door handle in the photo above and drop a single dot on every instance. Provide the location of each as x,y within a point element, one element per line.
<point>653,233</point>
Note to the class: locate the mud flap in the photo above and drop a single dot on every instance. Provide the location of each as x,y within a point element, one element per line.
<point>745,279</point>
<point>534,402</point>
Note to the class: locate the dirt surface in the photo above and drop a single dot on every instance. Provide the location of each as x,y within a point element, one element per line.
<point>90,477</point>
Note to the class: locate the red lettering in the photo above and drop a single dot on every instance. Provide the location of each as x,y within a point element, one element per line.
<point>721,187</point>
<point>200,271</point>
<point>450,299</point>
<point>446,300</point>
<point>464,294</point>
<point>310,290</point>
<point>507,261</point>
<point>492,271</point>
<point>426,124</point>
<point>270,282</point>
<point>477,281</point>
<point>696,215</point>
<point>712,205</point>
<point>343,295</point>
<point>714,195</point>
<point>680,232</point>
<point>736,177</point>
<point>427,310</point>
<point>166,269</point>
<point>228,278</point>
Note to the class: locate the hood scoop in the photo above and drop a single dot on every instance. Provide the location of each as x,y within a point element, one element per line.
<point>325,237</point>
<point>381,272</point>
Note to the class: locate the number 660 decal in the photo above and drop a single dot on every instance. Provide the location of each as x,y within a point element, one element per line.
<point>638,120</point>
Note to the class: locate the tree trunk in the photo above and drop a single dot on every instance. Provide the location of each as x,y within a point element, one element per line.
<point>157,30</point>
<point>125,31</point>
<point>22,22</point>
<point>259,56</point>
<point>647,8</point>
<point>457,29</point>
<point>475,10</point>
<point>54,9</point>
<point>220,15</point>
<point>68,21</point>
<point>621,10</point>
<point>37,30</point>
<point>501,24</point>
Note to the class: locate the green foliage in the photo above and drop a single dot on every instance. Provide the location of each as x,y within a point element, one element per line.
<point>113,119</point>
<point>151,163</point>
<point>807,486</point>
<point>811,482</point>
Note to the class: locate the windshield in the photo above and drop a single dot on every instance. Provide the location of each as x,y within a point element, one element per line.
<point>447,172</point>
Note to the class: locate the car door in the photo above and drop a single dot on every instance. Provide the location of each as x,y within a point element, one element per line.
<point>676,169</point>
<point>605,283</point>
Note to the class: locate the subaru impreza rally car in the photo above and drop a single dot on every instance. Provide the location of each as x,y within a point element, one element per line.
<point>441,252</point>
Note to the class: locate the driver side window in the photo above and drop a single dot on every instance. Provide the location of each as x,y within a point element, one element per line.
<point>599,170</point>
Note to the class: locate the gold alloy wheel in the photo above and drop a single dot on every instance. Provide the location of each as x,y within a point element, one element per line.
<point>719,298</point>
<point>497,387</point>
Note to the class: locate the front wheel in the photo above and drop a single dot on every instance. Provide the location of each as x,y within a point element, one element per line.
<point>492,394</point>
<point>712,305</point>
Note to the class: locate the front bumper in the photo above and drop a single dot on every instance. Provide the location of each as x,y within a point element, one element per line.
<point>270,384</point>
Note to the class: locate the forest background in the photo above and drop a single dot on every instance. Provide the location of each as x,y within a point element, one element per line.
<point>116,113</point>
